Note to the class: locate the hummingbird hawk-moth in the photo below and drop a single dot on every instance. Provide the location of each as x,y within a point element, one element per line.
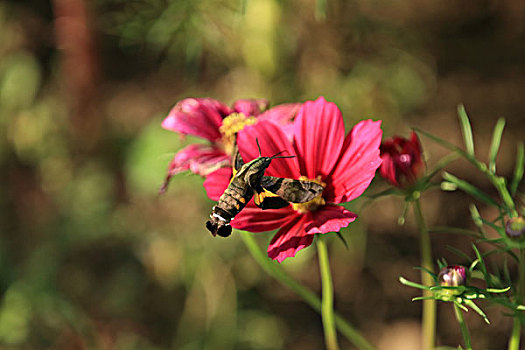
<point>249,181</point>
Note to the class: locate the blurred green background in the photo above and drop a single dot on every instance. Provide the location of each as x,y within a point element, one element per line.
<point>92,258</point>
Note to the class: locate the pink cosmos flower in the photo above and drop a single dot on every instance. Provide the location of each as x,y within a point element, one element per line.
<point>345,166</point>
<point>402,159</point>
<point>214,121</point>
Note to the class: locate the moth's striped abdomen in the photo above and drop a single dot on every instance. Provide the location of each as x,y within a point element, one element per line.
<point>232,201</point>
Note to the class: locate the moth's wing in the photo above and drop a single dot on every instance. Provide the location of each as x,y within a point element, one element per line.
<point>267,200</point>
<point>295,191</point>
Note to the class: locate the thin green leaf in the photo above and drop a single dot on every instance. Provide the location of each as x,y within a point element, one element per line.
<point>432,274</point>
<point>454,230</point>
<point>470,189</point>
<point>466,129</point>
<point>497,283</point>
<point>506,272</point>
<point>503,245</point>
<point>500,217</point>
<point>518,170</point>
<point>442,263</point>
<point>448,186</point>
<point>340,236</point>
<point>480,165</point>
<point>474,273</point>
<point>497,290</point>
<point>412,284</point>
<point>477,309</point>
<point>482,266</point>
<point>443,162</point>
<point>490,252</point>
<point>401,219</point>
<point>495,242</point>
<point>462,307</point>
<point>429,185</point>
<point>387,192</point>
<point>495,227</point>
<point>496,141</point>
<point>459,253</point>
<point>497,181</point>
<point>505,302</point>
<point>423,298</point>
<point>476,217</point>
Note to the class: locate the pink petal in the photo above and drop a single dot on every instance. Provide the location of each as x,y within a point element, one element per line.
<point>329,218</point>
<point>319,135</point>
<point>217,182</point>
<point>388,169</point>
<point>254,219</point>
<point>282,115</point>
<point>272,140</point>
<point>290,239</point>
<point>250,107</point>
<point>357,163</point>
<point>199,117</point>
<point>199,159</point>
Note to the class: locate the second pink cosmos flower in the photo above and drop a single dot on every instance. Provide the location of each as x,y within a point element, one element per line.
<point>214,121</point>
<point>345,166</point>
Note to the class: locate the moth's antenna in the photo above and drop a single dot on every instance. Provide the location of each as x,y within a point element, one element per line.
<point>276,154</point>
<point>283,157</point>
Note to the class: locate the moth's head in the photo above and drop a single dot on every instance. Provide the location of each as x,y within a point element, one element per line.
<point>264,162</point>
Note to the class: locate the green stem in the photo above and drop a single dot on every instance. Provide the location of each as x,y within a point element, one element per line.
<point>429,305</point>
<point>515,338</point>
<point>274,269</point>
<point>514,341</point>
<point>327,301</point>
<point>463,326</point>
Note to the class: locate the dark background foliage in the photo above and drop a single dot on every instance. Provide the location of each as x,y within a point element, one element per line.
<point>92,258</point>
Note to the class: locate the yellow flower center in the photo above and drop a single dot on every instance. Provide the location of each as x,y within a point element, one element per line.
<point>315,203</point>
<point>231,125</point>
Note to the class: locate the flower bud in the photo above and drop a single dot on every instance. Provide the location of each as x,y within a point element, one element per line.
<point>452,276</point>
<point>515,227</point>
<point>402,160</point>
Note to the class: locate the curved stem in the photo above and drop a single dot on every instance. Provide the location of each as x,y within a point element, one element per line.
<point>515,338</point>
<point>463,326</point>
<point>273,269</point>
<point>327,300</point>
<point>429,305</point>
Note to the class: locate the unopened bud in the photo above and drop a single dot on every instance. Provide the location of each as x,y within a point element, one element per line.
<point>515,227</point>
<point>452,276</point>
<point>402,160</point>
